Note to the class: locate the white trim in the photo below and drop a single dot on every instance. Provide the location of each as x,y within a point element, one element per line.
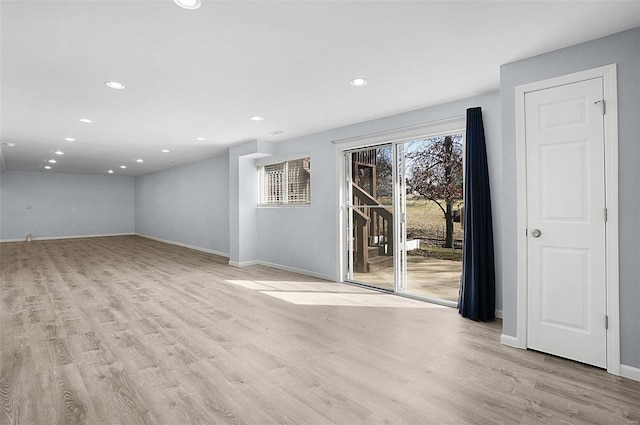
<point>429,129</point>
<point>498,314</point>
<point>392,138</point>
<point>242,263</point>
<point>281,158</point>
<point>50,238</point>
<point>285,184</point>
<point>630,372</point>
<point>292,269</point>
<point>608,74</point>
<point>297,205</point>
<point>341,217</point>
<point>610,83</point>
<point>510,341</point>
<point>521,222</point>
<point>280,267</point>
<point>184,245</point>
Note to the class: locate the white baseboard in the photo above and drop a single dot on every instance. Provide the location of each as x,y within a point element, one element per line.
<point>510,341</point>
<point>280,267</point>
<point>630,372</point>
<point>296,270</point>
<point>184,245</point>
<point>242,263</point>
<point>49,238</point>
<point>498,314</point>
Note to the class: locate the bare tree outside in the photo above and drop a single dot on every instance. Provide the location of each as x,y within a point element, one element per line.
<point>432,177</point>
<point>434,171</point>
<point>384,172</point>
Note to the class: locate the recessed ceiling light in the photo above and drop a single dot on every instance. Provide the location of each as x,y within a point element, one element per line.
<point>69,139</point>
<point>59,153</point>
<point>139,160</point>
<point>188,4</point>
<point>110,171</point>
<point>358,82</point>
<point>123,166</point>
<point>85,120</point>
<point>52,161</point>
<point>47,167</point>
<point>114,85</point>
<point>201,139</point>
<point>165,151</point>
<point>256,118</point>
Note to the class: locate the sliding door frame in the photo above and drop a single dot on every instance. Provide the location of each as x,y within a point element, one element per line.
<point>394,138</point>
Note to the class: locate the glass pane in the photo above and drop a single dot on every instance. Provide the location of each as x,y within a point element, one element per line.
<point>272,184</point>
<point>371,173</point>
<point>433,178</point>
<point>372,247</point>
<point>371,217</point>
<point>299,181</point>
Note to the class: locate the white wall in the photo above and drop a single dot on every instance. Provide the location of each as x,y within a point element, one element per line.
<point>187,205</point>
<point>622,49</point>
<point>64,205</point>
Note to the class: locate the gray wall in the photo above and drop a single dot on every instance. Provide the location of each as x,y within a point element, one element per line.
<point>305,237</point>
<point>187,205</point>
<point>243,200</point>
<point>624,50</point>
<point>64,205</point>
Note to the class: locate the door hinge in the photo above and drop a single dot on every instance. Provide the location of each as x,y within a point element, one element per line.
<point>606,322</point>
<point>606,216</point>
<point>603,105</point>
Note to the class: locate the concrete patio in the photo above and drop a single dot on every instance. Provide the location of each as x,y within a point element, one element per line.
<point>427,277</point>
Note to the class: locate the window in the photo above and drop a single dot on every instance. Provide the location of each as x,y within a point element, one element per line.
<point>286,183</point>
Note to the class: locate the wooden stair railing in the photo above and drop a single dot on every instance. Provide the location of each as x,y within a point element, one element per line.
<point>375,228</point>
<point>361,240</point>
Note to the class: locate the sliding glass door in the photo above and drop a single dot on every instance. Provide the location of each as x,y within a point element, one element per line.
<point>432,203</point>
<point>404,216</point>
<point>369,209</point>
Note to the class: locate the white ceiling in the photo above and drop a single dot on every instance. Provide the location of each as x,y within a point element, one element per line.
<point>204,73</point>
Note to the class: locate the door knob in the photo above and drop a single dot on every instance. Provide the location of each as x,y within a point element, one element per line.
<point>536,233</point>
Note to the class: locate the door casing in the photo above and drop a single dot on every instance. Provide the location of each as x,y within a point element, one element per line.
<point>608,74</point>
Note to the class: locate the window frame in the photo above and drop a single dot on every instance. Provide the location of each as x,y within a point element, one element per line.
<point>284,186</point>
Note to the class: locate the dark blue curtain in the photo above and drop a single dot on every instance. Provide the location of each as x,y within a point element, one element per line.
<point>478,288</point>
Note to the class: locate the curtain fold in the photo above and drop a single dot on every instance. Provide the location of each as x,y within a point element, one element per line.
<point>478,288</point>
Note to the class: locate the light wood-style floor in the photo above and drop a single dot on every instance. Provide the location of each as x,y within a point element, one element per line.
<point>125,330</point>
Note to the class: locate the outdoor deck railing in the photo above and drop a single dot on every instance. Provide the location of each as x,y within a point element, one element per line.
<point>373,228</point>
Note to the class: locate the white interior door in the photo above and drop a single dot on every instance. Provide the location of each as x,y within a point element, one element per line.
<point>566,217</point>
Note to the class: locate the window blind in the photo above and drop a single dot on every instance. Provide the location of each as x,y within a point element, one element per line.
<point>287,182</point>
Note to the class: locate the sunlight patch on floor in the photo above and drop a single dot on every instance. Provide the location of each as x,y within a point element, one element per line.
<point>250,284</point>
<point>345,299</point>
<point>329,294</point>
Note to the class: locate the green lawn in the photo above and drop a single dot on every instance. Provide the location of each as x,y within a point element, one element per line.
<point>437,252</point>
<point>425,221</point>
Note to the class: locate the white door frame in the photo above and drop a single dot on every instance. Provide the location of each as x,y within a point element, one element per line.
<point>393,136</point>
<point>608,74</point>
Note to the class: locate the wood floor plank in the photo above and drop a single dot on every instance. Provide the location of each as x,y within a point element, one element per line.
<point>125,330</point>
